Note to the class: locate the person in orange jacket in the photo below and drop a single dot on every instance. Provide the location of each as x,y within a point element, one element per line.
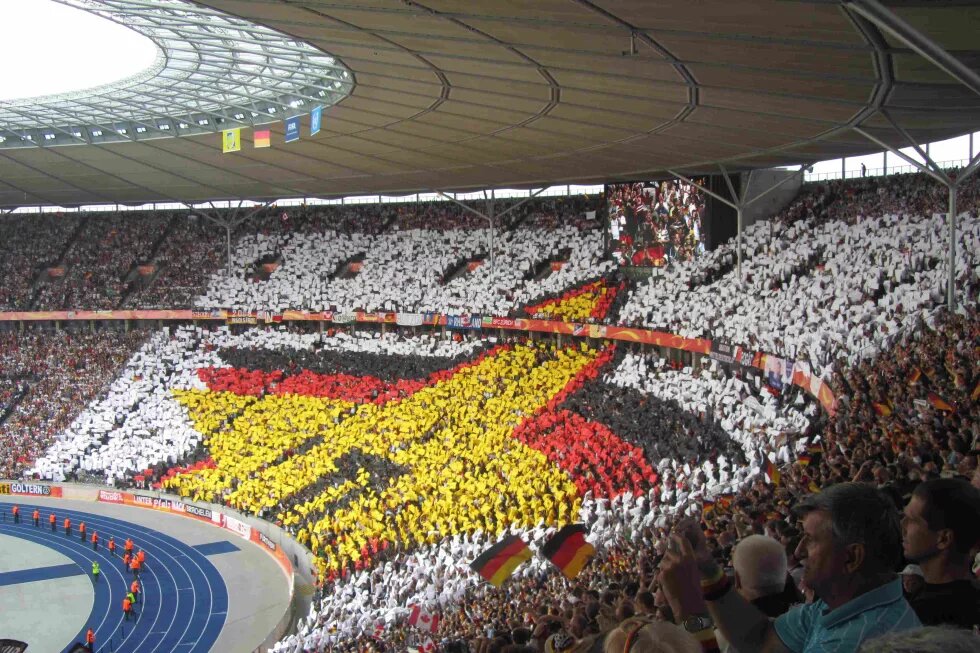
<point>37,518</point>
<point>134,588</point>
<point>67,527</point>
<point>90,639</point>
<point>95,540</point>
<point>129,546</point>
<point>16,512</point>
<point>127,606</point>
<point>52,520</point>
<point>112,546</point>
<point>81,530</point>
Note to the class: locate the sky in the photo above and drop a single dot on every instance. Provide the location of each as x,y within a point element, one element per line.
<point>50,48</point>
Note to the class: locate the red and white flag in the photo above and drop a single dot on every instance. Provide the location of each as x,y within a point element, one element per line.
<point>423,620</point>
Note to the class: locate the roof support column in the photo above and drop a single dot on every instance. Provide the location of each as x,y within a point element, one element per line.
<point>739,203</point>
<point>887,20</point>
<point>933,170</point>
<point>491,219</point>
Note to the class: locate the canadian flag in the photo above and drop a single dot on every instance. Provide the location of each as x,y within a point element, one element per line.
<point>423,620</point>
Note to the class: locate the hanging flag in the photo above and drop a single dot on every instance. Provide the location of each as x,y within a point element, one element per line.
<point>773,473</point>
<point>231,140</point>
<point>423,619</point>
<point>725,500</point>
<point>568,550</point>
<point>262,138</point>
<point>882,409</point>
<point>292,129</point>
<point>939,403</point>
<point>497,563</point>
<point>707,508</point>
<point>915,376</point>
<point>315,117</point>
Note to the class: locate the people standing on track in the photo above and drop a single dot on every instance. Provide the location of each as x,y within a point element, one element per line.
<point>129,546</point>
<point>90,639</point>
<point>67,527</point>
<point>95,571</point>
<point>81,530</point>
<point>16,513</point>
<point>52,519</point>
<point>37,518</point>
<point>134,589</point>
<point>112,546</point>
<point>127,607</point>
<point>126,560</point>
<point>95,540</point>
<point>141,556</point>
<point>134,566</point>
<point>132,601</point>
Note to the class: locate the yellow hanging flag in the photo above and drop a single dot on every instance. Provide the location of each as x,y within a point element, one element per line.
<point>231,140</point>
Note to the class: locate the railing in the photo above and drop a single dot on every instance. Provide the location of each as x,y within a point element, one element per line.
<point>881,172</point>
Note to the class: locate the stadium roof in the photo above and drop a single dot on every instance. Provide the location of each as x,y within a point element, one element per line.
<point>463,94</point>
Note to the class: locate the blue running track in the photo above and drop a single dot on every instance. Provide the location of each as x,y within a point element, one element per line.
<point>184,600</point>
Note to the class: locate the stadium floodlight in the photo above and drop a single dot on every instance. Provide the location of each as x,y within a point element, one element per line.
<point>49,137</point>
<point>141,130</point>
<point>269,70</point>
<point>76,133</point>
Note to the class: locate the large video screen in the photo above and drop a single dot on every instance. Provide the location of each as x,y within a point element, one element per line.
<point>652,223</point>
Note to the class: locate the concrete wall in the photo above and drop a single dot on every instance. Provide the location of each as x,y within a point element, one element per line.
<point>774,202</point>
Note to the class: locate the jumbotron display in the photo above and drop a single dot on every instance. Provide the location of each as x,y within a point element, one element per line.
<point>652,223</point>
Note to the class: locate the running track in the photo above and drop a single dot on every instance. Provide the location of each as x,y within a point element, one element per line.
<point>184,601</point>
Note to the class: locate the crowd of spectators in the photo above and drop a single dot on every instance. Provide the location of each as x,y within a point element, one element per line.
<point>99,259</point>
<point>842,271</point>
<point>397,460</point>
<point>403,270</point>
<point>29,244</point>
<point>56,374</point>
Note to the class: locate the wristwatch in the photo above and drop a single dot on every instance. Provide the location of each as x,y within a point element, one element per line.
<point>698,622</point>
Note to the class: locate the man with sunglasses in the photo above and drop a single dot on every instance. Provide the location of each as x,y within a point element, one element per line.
<point>850,548</point>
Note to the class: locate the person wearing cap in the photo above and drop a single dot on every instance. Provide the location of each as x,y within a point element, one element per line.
<point>940,529</point>
<point>851,546</point>
<point>912,580</point>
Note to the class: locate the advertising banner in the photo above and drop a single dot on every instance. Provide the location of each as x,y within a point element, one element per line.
<point>237,526</point>
<point>316,117</point>
<point>473,321</point>
<point>30,489</point>
<point>409,319</point>
<point>292,129</point>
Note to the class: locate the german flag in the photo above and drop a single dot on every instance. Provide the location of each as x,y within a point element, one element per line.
<point>882,409</point>
<point>497,563</point>
<point>976,392</point>
<point>939,403</point>
<point>707,508</point>
<point>725,501</point>
<point>568,550</point>
<point>915,376</point>
<point>773,473</point>
<point>803,460</point>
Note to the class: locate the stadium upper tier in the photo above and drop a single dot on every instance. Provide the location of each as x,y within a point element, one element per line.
<point>845,265</point>
<point>461,95</point>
